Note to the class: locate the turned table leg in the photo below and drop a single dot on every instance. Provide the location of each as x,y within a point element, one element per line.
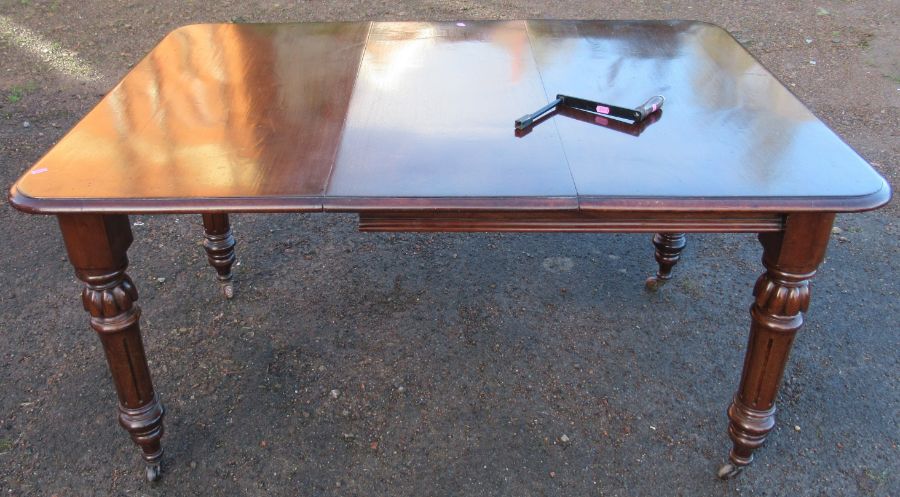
<point>219,245</point>
<point>97,246</point>
<point>668,251</point>
<point>781,297</point>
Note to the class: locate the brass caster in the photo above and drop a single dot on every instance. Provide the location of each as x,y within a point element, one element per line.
<point>228,290</point>
<point>729,471</point>
<point>653,283</point>
<point>153,472</point>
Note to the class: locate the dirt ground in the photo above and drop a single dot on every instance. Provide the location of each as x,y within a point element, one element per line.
<point>459,361</point>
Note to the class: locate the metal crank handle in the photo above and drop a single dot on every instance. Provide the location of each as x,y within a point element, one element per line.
<point>528,119</point>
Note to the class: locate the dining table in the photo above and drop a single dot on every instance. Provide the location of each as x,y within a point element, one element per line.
<point>412,126</point>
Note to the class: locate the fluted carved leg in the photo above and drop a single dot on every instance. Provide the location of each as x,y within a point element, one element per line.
<point>668,251</point>
<point>97,246</point>
<point>781,298</point>
<point>219,245</point>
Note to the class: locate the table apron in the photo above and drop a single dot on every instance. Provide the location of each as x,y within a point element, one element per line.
<point>593,222</point>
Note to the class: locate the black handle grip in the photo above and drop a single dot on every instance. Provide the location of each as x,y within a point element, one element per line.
<point>599,107</point>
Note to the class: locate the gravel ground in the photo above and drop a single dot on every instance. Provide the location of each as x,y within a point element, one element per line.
<point>447,364</point>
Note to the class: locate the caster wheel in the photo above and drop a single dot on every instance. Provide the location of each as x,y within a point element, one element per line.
<point>729,471</point>
<point>652,284</point>
<point>228,291</point>
<point>153,472</point>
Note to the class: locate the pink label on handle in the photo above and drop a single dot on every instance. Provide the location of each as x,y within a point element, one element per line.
<point>654,108</point>
<point>602,110</point>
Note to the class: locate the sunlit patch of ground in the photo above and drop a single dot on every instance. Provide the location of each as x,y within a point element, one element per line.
<point>51,53</point>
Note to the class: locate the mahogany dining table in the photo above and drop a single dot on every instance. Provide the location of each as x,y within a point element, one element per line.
<point>411,126</point>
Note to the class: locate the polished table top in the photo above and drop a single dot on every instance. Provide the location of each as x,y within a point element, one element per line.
<point>419,115</point>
